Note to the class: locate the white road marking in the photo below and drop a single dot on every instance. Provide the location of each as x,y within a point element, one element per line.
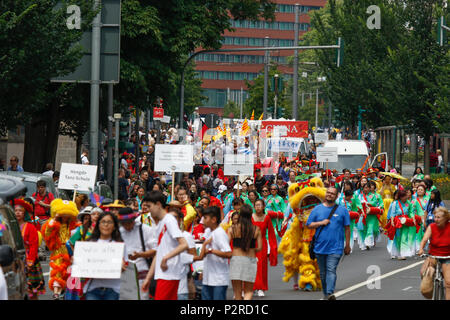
<point>407,288</point>
<point>365,283</point>
<point>46,274</point>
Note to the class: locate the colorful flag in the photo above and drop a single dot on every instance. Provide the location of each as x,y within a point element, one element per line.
<point>253,115</point>
<point>244,128</point>
<point>260,118</point>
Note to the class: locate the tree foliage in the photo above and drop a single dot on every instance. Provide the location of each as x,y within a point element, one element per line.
<point>36,46</point>
<point>385,70</point>
<point>157,37</point>
<point>256,95</point>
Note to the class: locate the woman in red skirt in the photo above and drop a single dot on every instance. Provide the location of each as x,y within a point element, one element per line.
<point>262,220</point>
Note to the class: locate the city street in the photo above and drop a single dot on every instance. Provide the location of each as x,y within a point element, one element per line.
<point>352,271</point>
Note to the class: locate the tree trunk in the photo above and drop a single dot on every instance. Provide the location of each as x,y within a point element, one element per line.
<point>426,155</point>
<point>41,139</point>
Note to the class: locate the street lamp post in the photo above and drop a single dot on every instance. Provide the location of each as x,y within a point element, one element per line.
<point>275,99</point>
<point>117,117</point>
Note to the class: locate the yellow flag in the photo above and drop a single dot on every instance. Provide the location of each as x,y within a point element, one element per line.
<point>244,128</point>
<point>260,118</point>
<point>253,115</point>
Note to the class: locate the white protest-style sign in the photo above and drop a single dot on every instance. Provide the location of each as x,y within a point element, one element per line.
<point>283,145</point>
<point>80,177</point>
<point>165,119</point>
<point>97,260</point>
<point>238,164</point>
<point>321,137</point>
<point>327,154</point>
<point>174,158</point>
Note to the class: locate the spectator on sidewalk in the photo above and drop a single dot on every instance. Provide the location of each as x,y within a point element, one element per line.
<point>14,161</point>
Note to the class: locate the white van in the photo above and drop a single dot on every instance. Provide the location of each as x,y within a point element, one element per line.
<point>352,154</point>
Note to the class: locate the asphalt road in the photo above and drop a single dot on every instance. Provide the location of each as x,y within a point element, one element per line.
<point>354,269</point>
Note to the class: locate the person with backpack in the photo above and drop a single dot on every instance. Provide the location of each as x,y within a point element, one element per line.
<point>139,242</point>
<point>42,200</point>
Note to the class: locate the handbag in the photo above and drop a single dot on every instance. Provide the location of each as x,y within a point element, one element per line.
<point>312,243</point>
<point>152,288</point>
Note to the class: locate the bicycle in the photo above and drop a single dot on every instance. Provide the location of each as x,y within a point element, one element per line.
<point>438,281</point>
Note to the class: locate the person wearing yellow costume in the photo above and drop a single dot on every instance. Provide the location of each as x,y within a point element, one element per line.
<point>56,232</point>
<point>294,245</point>
<point>187,209</point>
<point>386,191</point>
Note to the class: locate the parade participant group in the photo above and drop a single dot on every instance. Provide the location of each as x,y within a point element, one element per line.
<point>216,232</point>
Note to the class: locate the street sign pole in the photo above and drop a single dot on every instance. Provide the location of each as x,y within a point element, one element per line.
<point>295,79</point>
<point>266,77</point>
<point>109,156</point>
<point>117,117</point>
<point>95,85</point>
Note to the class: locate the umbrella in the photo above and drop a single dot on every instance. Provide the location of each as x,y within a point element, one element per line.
<point>394,175</point>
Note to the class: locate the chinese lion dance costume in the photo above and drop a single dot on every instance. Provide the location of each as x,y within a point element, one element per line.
<point>56,232</point>
<point>294,246</point>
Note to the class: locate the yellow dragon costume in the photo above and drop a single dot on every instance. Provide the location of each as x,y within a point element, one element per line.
<point>294,246</point>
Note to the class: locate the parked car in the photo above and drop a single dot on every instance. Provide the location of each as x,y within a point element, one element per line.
<point>101,188</point>
<point>30,179</point>
<point>12,250</point>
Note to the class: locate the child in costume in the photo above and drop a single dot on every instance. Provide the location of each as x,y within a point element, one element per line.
<point>35,278</point>
<point>294,246</point>
<point>56,232</point>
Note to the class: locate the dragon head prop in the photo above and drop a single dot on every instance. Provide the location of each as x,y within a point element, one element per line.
<point>307,194</point>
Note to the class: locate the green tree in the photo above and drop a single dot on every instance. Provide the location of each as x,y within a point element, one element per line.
<point>232,110</point>
<point>157,37</point>
<point>37,46</point>
<point>256,96</point>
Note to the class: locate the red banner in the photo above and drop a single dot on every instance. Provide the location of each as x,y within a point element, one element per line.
<point>295,129</point>
<point>158,113</point>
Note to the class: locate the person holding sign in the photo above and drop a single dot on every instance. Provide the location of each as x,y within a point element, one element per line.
<point>166,266</point>
<point>56,232</point>
<point>105,231</point>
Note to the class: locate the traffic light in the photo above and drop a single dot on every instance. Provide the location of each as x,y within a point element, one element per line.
<point>340,52</point>
<point>277,84</point>
<point>124,134</point>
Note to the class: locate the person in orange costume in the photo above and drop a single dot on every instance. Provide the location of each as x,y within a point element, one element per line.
<point>56,232</point>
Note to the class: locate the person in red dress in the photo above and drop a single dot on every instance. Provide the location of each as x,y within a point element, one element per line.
<point>262,220</point>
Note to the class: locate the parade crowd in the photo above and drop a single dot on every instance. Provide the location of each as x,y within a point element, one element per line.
<point>216,230</point>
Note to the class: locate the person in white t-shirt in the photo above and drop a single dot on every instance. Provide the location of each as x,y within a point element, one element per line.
<point>166,266</point>
<point>84,157</point>
<point>216,252</point>
<point>186,257</point>
<point>3,286</point>
<point>106,230</point>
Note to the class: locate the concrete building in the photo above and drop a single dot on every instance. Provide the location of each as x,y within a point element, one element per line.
<point>224,74</point>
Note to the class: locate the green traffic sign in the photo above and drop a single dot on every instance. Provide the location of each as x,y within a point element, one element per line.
<point>109,50</point>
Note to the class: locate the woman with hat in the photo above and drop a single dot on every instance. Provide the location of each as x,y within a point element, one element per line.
<point>35,278</point>
<point>113,207</point>
<point>56,231</point>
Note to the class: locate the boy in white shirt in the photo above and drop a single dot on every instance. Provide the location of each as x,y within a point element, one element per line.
<point>166,266</point>
<point>186,257</point>
<point>216,252</point>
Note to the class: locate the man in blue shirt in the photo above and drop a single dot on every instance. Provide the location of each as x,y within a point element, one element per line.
<point>15,164</point>
<point>329,245</point>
